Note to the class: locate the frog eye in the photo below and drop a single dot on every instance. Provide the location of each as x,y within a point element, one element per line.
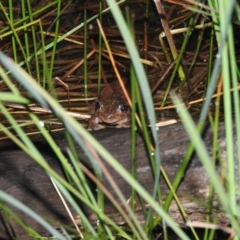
<point>97,106</point>
<point>124,108</point>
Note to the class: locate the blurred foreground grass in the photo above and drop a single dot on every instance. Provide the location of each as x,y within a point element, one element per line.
<point>223,75</point>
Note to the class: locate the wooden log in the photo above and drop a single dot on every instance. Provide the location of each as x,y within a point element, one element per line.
<point>24,179</point>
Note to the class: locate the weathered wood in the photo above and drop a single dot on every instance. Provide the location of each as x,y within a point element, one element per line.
<point>25,180</point>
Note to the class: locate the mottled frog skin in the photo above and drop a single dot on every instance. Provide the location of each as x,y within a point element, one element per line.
<point>110,109</point>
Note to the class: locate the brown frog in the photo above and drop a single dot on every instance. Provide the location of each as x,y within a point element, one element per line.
<point>110,109</point>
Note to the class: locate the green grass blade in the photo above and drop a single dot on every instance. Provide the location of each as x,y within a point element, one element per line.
<point>10,200</point>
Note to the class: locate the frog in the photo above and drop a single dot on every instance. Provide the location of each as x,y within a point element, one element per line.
<point>110,109</point>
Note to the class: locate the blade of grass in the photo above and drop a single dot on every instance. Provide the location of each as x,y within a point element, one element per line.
<point>9,215</point>
<point>10,200</point>
<point>221,41</point>
<point>205,159</point>
<point>56,31</point>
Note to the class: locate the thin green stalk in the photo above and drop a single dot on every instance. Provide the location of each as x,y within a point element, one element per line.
<point>181,172</point>
<point>181,209</point>
<point>236,103</point>
<point>154,165</point>
<point>199,44</point>
<point>178,61</point>
<point>11,20</point>
<point>210,58</point>
<point>214,157</point>
<point>34,42</point>
<point>17,29</point>
<point>228,110</point>
<point>82,185</point>
<point>46,75</point>
<point>56,32</point>
<point>134,89</point>
<point>26,39</point>
<point>100,49</point>
<point>10,97</point>
<point>85,50</point>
